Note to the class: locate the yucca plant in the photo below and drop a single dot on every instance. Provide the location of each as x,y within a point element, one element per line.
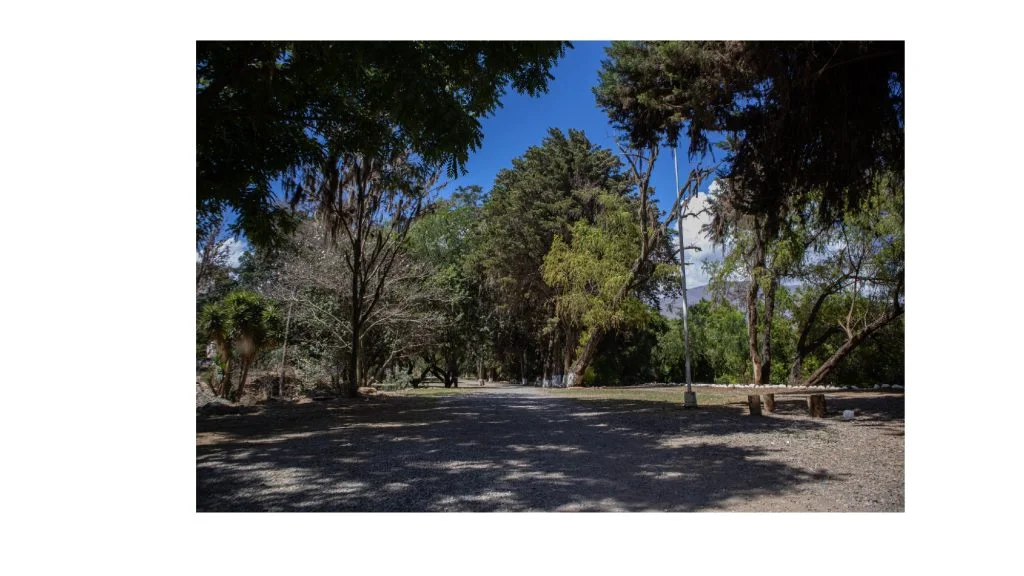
<point>242,324</point>
<point>253,322</point>
<point>214,323</point>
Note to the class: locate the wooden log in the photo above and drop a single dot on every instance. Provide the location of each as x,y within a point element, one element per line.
<point>816,405</point>
<point>754,402</point>
<point>769,402</point>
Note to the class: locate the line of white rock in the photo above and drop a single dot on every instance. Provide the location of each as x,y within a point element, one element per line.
<point>559,383</point>
<point>782,386</point>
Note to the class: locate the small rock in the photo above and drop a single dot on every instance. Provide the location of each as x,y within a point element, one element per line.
<point>848,414</point>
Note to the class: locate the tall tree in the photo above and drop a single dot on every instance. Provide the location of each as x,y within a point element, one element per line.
<point>598,273</point>
<point>803,119</point>
<point>810,117</point>
<point>853,280</point>
<point>443,241</point>
<point>264,109</point>
<point>313,275</point>
<point>650,249</point>
<point>760,258</point>
<point>368,202</point>
<point>539,198</point>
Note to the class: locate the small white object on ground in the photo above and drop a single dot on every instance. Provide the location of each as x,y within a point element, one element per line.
<point>847,414</point>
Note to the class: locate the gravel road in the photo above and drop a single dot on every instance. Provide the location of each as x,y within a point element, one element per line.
<point>520,449</point>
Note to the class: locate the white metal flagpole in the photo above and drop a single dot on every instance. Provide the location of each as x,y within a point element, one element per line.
<point>689,398</point>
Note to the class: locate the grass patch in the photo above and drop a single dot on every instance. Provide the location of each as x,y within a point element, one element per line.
<point>433,392</point>
<point>668,395</point>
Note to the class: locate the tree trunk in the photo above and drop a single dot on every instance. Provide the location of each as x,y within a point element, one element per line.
<point>803,347</point>
<point>453,370</point>
<point>796,368</point>
<point>225,381</point>
<point>766,341</point>
<point>246,363</point>
<point>755,361</point>
<point>284,350</point>
<point>568,348</point>
<point>350,388</point>
<point>549,360</point>
<point>575,373</point>
<point>852,342</point>
<point>338,372</point>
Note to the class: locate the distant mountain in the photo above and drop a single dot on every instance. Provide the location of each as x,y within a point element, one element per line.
<point>671,306</point>
<point>736,293</point>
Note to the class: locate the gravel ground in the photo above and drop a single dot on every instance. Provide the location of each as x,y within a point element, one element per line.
<point>519,449</point>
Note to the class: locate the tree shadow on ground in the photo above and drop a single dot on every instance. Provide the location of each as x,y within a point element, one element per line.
<point>473,453</point>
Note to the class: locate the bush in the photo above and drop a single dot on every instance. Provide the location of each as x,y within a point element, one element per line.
<point>399,380</point>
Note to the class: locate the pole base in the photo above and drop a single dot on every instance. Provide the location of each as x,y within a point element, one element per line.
<point>689,400</point>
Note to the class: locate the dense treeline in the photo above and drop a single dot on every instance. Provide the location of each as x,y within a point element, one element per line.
<point>556,272</point>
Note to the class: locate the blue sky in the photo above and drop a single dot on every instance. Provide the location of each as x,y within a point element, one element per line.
<point>523,121</point>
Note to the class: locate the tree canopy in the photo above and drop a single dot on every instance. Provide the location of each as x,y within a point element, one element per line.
<point>556,270</point>
<point>264,109</point>
<point>823,117</point>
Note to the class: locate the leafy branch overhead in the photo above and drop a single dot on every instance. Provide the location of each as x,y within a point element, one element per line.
<point>266,109</point>
<point>810,117</point>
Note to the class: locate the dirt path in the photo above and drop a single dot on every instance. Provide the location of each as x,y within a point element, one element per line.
<point>520,449</point>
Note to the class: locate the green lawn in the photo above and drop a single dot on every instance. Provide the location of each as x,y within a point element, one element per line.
<point>436,391</point>
<point>667,395</point>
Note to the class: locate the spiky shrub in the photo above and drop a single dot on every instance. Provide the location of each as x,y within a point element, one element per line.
<point>241,326</point>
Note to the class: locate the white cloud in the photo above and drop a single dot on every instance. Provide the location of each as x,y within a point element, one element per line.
<point>232,248</point>
<point>693,236</point>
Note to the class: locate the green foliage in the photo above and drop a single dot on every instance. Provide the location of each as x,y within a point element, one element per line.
<point>879,360</point>
<point>241,326</point>
<point>718,346</point>
<point>807,117</point>
<point>263,109</point>
<point>252,317</point>
<point>594,271</point>
<point>719,334</point>
<point>443,241</point>
<point>629,356</point>
<point>545,192</point>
